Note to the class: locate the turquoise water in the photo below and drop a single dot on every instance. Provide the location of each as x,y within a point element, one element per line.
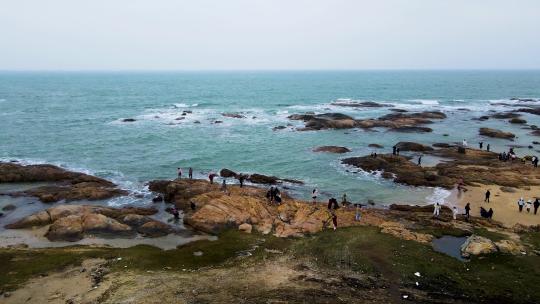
<point>75,120</point>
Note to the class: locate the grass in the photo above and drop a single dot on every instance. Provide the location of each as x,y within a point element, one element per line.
<point>496,278</point>
<point>532,238</point>
<point>494,236</point>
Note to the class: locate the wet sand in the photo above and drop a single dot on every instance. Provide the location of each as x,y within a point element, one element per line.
<point>504,204</point>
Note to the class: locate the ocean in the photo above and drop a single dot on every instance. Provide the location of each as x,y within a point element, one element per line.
<point>75,120</point>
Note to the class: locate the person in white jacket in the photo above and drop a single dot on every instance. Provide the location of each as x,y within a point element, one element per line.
<point>436,209</point>
<point>528,206</point>
<point>521,203</point>
<point>455,212</point>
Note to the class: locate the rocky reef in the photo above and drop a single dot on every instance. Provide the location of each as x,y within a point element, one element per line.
<point>332,149</point>
<point>64,185</point>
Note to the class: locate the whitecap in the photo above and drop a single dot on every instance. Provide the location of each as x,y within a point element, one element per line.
<point>439,195</point>
<point>427,102</point>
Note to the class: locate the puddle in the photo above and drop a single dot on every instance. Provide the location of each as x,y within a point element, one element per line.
<point>449,245</point>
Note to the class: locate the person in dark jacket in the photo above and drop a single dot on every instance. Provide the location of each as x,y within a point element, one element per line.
<point>488,194</point>
<point>536,204</point>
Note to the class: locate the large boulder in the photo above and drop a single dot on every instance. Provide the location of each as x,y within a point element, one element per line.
<point>227,173</point>
<point>154,229</point>
<point>100,224</point>
<point>39,219</point>
<point>135,220</point>
<point>263,179</point>
<point>412,146</point>
<point>69,228</point>
<point>496,133</point>
<point>477,245</point>
<point>510,247</point>
<point>325,121</point>
<point>332,149</point>
<point>411,129</point>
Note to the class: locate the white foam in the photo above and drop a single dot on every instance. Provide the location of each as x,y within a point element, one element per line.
<point>428,102</point>
<point>185,105</point>
<point>439,195</point>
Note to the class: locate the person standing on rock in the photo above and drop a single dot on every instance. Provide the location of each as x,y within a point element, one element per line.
<point>468,211</point>
<point>536,205</point>
<point>241,179</point>
<point>521,203</point>
<point>535,163</point>
<point>224,185</point>
<point>397,151</point>
<point>488,194</point>
<point>179,172</point>
<point>481,144</point>
<point>455,212</point>
<point>314,195</point>
<point>488,147</point>
<point>211,177</point>
<point>420,160</point>
<point>394,150</point>
<point>344,200</point>
<point>528,206</point>
<point>436,209</point>
<point>190,173</point>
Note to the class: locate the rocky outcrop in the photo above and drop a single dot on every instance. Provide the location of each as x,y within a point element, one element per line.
<point>412,129</point>
<point>332,149</point>
<point>233,115</point>
<point>227,173</point>
<point>412,146</point>
<point>510,247</point>
<point>477,245</point>
<point>74,222</point>
<point>398,230</point>
<point>496,133</point>
<point>535,110</point>
<point>376,146</point>
<point>517,121</point>
<point>325,121</point>
<point>402,170</point>
<point>505,115</point>
<point>67,185</point>
<point>361,104</point>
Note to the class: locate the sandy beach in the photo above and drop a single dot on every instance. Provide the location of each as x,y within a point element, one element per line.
<point>504,204</point>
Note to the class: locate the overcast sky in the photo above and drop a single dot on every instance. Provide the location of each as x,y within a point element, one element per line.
<point>269,34</point>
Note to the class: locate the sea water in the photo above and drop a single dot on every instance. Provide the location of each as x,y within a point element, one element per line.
<point>75,119</point>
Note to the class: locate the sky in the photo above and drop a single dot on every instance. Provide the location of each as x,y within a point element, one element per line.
<point>269,34</point>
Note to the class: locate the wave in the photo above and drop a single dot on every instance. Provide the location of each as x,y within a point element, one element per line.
<point>184,105</point>
<point>428,102</point>
<point>439,195</point>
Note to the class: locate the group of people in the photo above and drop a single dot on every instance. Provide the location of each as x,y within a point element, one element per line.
<point>510,156</point>
<point>395,150</point>
<point>528,205</point>
<point>190,173</point>
<point>274,195</point>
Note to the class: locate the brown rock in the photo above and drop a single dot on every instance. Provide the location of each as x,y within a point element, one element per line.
<point>496,133</point>
<point>100,224</point>
<point>68,228</point>
<point>332,149</point>
<point>154,229</point>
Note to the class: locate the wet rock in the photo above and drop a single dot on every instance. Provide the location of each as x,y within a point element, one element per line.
<point>535,111</point>
<point>128,120</point>
<point>362,104</point>
<point>263,179</point>
<point>233,115</point>
<point>505,115</point>
<point>442,145</point>
<point>38,219</point>
<point>477,245</point>
<point>412,129</point>
<point>496,133</point>
<point>9,207</point>
<point>517,121</point>
<point>154,229</point>
<point>279,128</point>
<point>332,149</point>
<point>157,199</point>
<point>412,146</point>
<point>227,173</point>
<point>375,146</point>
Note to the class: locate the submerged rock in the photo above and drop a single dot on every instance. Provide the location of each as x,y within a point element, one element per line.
<point>332,149</point>
<point>375,146</point>
<point>496,133</point>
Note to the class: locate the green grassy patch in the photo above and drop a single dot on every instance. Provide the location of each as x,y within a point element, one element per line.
<point>499,278</point>
<point>532,238</point>
<point>494,236</point>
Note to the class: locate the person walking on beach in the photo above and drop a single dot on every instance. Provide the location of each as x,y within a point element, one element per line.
<point>488,194</point>
<point>179,172</point>
<point>521,203</point>
<point>528,206</point>
<point>436,209</point>
<point>334,221</point>
<point>420,160</point>
<point>357,214</point>
<point>190,173</point>
<point>468,211</point>
<point>488,147</point>
<point>536,205</point>
<point>314,195</point>
<point>455,212</point>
